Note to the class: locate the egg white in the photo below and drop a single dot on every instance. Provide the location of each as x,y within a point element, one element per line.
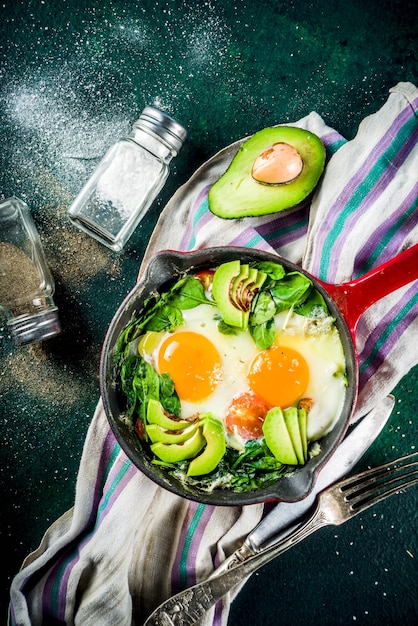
<point>322,351</point>
<point>234,350</point>
<point>324,354</point>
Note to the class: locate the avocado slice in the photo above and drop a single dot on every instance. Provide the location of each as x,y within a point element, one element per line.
<point>303,427</point>
<point>237,284</point>
<point>156,433</point>
<point>223,278</point>
<point>238,194</point>
<point>292,423</point>
<point>174,452</point>
<point>156,415</point>
<point>278,438</point>
<point>214,434</point>
<point>233,288</point>
<point>250,287</point>
<point>250,280</point>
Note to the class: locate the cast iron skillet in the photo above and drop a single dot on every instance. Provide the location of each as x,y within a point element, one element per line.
<point>346,303</point>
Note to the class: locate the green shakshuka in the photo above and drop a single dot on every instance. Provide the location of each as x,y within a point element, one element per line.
<point>232,375</point>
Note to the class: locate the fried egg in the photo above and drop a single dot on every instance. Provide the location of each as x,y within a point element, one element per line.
<point>320,345</point>
<point>230,377</point>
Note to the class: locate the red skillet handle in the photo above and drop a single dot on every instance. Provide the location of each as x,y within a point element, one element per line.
<point>354,297</point>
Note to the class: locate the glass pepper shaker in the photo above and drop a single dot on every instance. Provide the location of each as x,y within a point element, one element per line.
<point>26,283</point>
<point>128,179</point>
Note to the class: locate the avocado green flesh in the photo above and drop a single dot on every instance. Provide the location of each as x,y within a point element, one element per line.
<point>250,280</point>
<point>222,281</point>
<point>156,415</point>
<point>175,452</point>
<point>238,283</point>
<point>292,424</point>
<point>214,434</point>
<point>278,438</point>
<point>236,194</point>
<point>285,435</point>
<point>233,288</point>
<point>156,433</point>
<point>303,428</point>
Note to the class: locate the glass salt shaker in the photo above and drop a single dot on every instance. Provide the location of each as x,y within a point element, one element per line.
<point>128,179</point>
<point>26,283</point>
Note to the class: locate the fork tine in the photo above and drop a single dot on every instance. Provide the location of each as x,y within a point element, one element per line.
<point>378,483</point>
<point>336,505</point>
<point>365,500</point>
<point>371,476</point>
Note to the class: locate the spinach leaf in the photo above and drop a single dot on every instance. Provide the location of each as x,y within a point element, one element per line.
<point>264,308</point>
<point>127,372</point>
<point>261,323</point>
<point>187,293</point>
<point>164,317</point>
<point>263,334</point>
<point>273,270</point>
<point>291,290</point>
<point>226,329</point>
<point>146,381</point>
<point>168,396</point>
<point>164,311</point>
<point>239,472</point>
<point>139,382</point>
<point>314,306</point>
<point>126,337</point>
<point>171,404</point>
<point>166,384</point>
<point>151,306</point>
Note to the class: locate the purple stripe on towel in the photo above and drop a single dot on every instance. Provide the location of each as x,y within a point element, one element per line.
<point>191,226</point>
<point>107,472</point>
<point>367,203</point>
<point>331,137</point>
<point>390,242</point>
<point>251,239</point>
<point>102,469</point>
<point>352,184</point>
<point>286,229</point>
<point>192,562</point>
<point>406,318</point>
<point>176,573</point>
<point>183,572</point>
<point>115,493</point>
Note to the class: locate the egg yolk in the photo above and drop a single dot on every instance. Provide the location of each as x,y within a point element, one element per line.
<point>193,363</point>
<point>246,414</point>
<point>278,375</point>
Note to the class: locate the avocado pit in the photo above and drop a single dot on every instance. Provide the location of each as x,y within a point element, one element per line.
<point>279,164</point>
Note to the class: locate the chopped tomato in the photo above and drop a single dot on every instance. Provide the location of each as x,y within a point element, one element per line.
<point>306,403</point>
<point>140,429</point>
<point>206,278</point>
<point>246,414</point>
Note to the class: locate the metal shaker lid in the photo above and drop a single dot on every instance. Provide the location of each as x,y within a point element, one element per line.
<point>27,329</point>
<point>161,124</point>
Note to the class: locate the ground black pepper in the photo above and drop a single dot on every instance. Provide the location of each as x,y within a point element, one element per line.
<point>19,276</point>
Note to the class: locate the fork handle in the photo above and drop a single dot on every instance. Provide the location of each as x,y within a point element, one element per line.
<point>190,605</point>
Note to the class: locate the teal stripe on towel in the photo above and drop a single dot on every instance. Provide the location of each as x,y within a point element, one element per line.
<point>362,191</point>
<point>55,589</point>
<point>187,543</point>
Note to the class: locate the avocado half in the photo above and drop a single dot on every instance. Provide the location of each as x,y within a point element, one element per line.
<point>238,194</point>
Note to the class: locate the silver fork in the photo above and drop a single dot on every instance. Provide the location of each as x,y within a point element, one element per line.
<point>335,505</point>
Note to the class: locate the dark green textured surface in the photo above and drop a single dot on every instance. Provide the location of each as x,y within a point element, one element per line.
<point>73,77</point>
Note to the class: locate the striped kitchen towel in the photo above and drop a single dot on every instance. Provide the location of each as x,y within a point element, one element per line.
<point>127,544</point>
